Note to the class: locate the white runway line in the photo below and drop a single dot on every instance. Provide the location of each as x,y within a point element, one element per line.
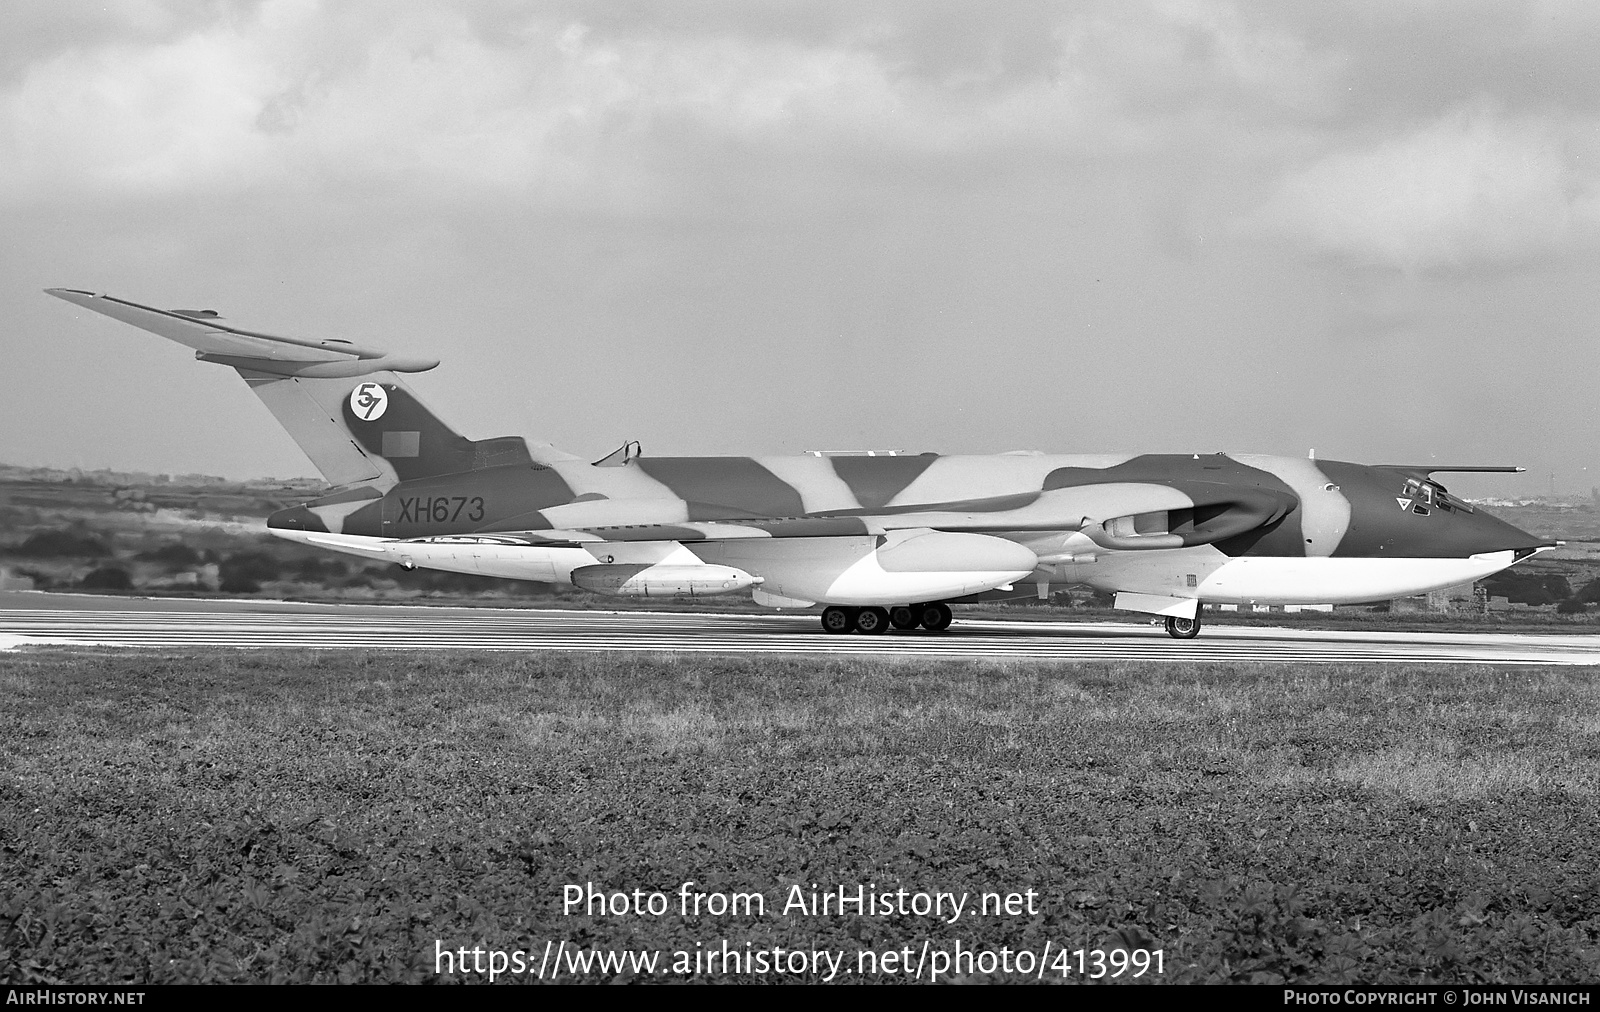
<point>158,624</point>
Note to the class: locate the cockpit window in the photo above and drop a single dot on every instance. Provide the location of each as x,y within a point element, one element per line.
<point>1431,493</point>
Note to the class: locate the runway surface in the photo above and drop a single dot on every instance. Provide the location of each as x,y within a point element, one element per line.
<point>36,619</point>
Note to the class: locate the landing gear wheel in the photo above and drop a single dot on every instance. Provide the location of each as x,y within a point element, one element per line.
<point>838,620</point>
<point>934,617</point>
<point>903,618</point>
<point>872,621</point>
<point>1183,628</point>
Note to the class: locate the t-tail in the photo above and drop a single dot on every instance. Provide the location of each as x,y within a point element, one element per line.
<point>341,402</point>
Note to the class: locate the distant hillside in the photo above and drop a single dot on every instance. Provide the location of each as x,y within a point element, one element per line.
<point>1558,519</point>
<point>193,534</point>
<point>308,487</point>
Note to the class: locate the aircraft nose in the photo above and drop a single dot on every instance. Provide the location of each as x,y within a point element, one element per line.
<point>1483,532</point>
<point>1394,516</point>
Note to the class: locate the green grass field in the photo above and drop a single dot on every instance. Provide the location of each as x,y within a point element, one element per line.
<point>329,816</point>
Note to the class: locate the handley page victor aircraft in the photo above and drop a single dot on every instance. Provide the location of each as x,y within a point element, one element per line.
<point>881,540</point>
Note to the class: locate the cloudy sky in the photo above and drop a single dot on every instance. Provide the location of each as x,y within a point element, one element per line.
<point>766,227</point>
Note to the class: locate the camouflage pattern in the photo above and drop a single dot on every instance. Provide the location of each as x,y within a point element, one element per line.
<point>1239,505</point>
<point>1157,526</point>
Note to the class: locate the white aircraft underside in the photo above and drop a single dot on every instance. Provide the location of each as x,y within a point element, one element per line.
<point>852,571</point>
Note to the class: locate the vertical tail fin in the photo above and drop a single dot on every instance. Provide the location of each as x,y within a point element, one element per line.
<point>369,428</point>
<point>342,403</point>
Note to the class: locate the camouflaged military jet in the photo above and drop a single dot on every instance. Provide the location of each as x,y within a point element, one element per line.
<point>881,540</point>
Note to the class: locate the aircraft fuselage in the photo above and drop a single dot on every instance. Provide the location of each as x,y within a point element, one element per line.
<point>1183,527</point>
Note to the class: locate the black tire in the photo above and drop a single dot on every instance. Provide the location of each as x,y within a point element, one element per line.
<point>1183,628</point>
<point>903,617</point>
<point>838,620</point>
<point>872,621</point>
<point>935,617</point>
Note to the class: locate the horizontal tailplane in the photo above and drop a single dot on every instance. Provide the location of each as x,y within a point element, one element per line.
<point>341,402</point>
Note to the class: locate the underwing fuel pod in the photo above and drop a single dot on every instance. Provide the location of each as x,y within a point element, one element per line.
<point>638,580</point>
<point>881,541</point>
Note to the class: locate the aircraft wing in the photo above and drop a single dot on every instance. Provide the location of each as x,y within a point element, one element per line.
<point>928,552</point>
<point>1125,516</point>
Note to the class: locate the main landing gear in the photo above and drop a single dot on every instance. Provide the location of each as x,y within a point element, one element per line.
<point>934,616</point>
<point>1183,628</point>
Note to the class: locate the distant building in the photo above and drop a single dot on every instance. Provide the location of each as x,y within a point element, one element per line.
<point>1462,599</point>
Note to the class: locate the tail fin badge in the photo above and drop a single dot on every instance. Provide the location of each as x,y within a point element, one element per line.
<point>369,401</point>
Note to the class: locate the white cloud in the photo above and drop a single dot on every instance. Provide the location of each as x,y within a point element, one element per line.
<point>1197,55</point>
<point>1471,188</point>
<point>136,118</point>
<point>293,94</point>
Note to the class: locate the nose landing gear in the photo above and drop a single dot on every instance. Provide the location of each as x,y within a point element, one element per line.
<point>1183,628</point>
<point>934,616</point>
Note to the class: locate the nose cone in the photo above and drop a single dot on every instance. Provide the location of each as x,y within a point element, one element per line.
<point>1388,520</point>
<point>1481,532</point>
